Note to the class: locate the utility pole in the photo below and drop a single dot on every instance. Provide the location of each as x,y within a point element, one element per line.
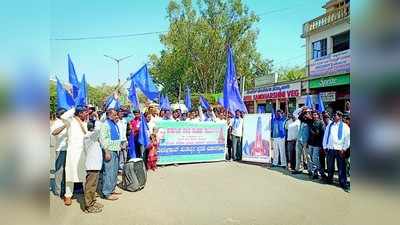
<point>118,61</point>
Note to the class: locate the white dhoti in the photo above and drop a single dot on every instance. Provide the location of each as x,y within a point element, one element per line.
<point>75,170</point>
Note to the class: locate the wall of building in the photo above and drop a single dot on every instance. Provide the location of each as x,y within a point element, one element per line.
<point>332,31</point>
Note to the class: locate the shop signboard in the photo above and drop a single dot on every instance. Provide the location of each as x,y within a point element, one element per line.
<point>330,81</point>
<point>264,80</point>
<point>329,96</point>
<point>274,92</point>
<point>337,63</point>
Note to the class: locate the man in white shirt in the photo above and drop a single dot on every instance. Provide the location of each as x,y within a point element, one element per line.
<point>336,141</point>
<point>322,155</point>
<point>93,165</point>
<point>292,126</point>
<point>75,171</point>
<point>122,125</point>
<point>237,133</point>
<point>59,132</point>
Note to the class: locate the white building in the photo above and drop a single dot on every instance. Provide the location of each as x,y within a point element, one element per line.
<point>328,54</point>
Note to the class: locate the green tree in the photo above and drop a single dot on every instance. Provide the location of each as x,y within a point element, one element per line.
<point>194,52</point>
<point>289,74</point>
<point>52,97</point>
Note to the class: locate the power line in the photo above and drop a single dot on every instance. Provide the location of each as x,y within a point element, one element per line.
<point>281,9</point>
<point>157,32</point>
<point>108,36</point>
<point>291,58</point>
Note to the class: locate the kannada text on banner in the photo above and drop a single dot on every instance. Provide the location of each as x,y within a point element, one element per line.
<point>187,142</point>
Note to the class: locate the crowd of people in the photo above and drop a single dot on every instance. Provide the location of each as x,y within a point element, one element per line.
<point>92,145</point>
<point>313,141</point>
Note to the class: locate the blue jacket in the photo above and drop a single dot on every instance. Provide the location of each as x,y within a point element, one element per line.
<point>278,127</point>
<point>304,133</point>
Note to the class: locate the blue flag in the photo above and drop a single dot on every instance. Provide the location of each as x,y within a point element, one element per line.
<point>204,103</point>
<point>145,83</point>
<point>309,102</point>
<point>232,99</point>
<point>113,103</point>
<point>81,99</point>
<point>320,106</point>
<point>188,101</point>
<point>132,96</point>
<point>272,112</point>
<point>73,79</point>
<point>144,138</point>
<point>131,146</point>
<point>161,100</point>
<point>221,101</point>
<point>165,105</point>
<point>64,99</point>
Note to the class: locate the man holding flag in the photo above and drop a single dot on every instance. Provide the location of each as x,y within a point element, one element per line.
<point>110,139</point>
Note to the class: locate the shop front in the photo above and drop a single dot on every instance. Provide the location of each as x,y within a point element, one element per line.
<point>334,90</point>
<point>281,96</point>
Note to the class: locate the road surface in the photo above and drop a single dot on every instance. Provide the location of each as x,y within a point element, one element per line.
<point>216,193</point>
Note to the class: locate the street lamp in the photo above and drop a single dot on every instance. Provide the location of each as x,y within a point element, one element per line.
<point>118,60</point>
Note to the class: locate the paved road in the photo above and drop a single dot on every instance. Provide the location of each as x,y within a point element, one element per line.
<point>217,193</point>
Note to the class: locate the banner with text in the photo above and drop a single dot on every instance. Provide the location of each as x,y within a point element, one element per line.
<point>187,142</point>
<point>284,91</point>
<point>337,63</point>
<point>257,138</point>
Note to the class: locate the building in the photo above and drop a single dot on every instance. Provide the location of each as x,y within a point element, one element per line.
<point>282,95</point>
<point>328,55</point>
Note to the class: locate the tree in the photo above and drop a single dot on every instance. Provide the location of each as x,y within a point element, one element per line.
<point>195,46</point>
<point>289,74</point>
<point>52,97</point>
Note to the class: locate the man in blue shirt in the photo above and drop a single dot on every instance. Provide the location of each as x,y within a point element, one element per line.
<point>278,138</point>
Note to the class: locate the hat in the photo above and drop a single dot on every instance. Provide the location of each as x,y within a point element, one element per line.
<point>80,108</point>
<point>60,111</point>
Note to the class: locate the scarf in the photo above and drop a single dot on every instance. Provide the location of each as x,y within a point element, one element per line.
<point>340,131</point>
<point>236,122</point>
<point>114,130</point>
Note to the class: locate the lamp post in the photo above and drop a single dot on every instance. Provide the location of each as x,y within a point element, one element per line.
<point>118,61</point>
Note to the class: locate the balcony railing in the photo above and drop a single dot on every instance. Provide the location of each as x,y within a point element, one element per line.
<point>326,19</point>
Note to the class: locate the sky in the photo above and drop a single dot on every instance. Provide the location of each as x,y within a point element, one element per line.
<point>279,38</point>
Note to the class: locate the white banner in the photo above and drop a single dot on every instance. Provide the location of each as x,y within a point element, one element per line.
<point>256,145</point>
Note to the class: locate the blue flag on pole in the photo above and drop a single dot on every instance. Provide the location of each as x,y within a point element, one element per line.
<point>161,100</point>
<point>81,99</point>
<point>232,99</point>
<point>73,79</point>
<point>309,102</point>
<point>272,112</point>
<point>165,104</point>
<point>113,103</point>
<point>320,106</point>
<point>204,103</point>
<point>133,96</point>
<point>144,138</point>
<point>221,101</point>
<point>131,146</point>
<point>145,83</point>
<point>188,101</point>
<point>64,99</point>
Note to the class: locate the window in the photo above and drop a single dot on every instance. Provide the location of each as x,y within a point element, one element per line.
<point>319,48</point>
<point>341,42</point>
